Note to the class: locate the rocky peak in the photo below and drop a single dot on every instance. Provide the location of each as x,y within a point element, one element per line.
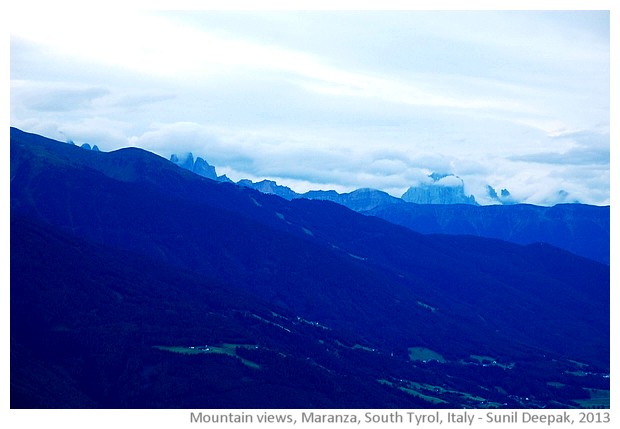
<point>442,189</point>
<point>270,187</point>
<point>198,166</point>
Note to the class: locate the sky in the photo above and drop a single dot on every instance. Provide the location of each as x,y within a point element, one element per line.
<point>518,100</point>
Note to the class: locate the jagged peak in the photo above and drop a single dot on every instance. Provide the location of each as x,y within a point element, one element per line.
<point>443,189</point>
<point>196,165</point>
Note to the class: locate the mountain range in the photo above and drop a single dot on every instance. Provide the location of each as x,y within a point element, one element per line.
<point>438,191</point>
<point>442,207</point>
<point>136,283</point>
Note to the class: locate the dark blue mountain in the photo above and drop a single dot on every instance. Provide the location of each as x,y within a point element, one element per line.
<point>579,228</point>
<point>270,187</point>
<point>98,327</point>
<point>316,289</point>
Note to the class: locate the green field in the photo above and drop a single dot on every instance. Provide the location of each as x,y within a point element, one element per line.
<point>180,349</point>
<point>482,359</point>
<point>225,348</point>
<point>410,389</point>
<point>355,347</point>
<point>424,354</point>
<point>491,361</point>
<point>431,393</point>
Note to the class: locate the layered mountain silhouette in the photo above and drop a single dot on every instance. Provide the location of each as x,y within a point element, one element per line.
<point>442,207</point>
<point>579,228</point>
<point>138,283</point>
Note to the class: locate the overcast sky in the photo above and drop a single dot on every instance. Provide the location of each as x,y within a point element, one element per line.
<point>333,100</point>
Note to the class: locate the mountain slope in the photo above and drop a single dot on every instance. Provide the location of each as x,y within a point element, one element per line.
<point>578,228</point>
<point>389,288</point>
<point>92,327</point>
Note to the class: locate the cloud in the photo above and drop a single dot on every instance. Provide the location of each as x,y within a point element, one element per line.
<point>449,182</point>
<point>576,156</point>
<point>540,183</point>
<point>137,99</point>
<point>583,148</point>
<point>317,100</point>
<point>55,97</point>
<point>385,166</point>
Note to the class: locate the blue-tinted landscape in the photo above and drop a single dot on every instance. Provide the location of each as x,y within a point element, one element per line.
<point>310,209</point>
<point>136,283</point>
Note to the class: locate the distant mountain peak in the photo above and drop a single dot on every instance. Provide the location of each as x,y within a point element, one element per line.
<point>504,196</point>
<point>270,187</point>
<point>89,147</point>
<point>197,165</point>
<point>443,189</point>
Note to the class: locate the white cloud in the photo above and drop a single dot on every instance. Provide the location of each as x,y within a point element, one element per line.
<point>449,181</point>
<point>318,100</point>
<point>55,96</point>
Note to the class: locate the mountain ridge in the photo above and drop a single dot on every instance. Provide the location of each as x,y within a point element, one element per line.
<point>436,208</point>
<point>389,287</point>
<point>579,228</point>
